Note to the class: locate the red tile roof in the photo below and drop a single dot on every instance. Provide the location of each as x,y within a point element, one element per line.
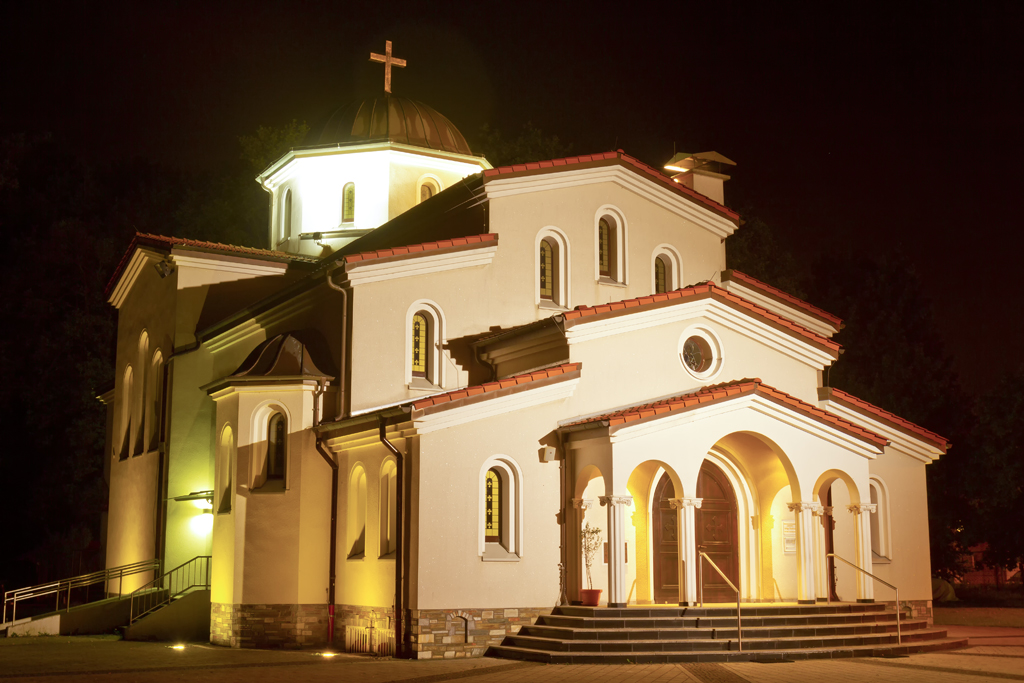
<point>417,249</point>
<point>165,242</point>
<point>702,290</point>
<point>723,392</point>
<point>490,387</point>
<point>777,293</point>
<point>620,157</point>
<point>892,419</point>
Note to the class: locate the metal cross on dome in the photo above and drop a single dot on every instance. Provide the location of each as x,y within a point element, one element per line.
<point>388,62</point>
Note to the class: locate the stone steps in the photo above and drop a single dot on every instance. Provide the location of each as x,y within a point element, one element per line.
<point>580,635</point>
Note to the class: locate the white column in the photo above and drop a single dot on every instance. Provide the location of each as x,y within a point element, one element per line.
<point>862,516</point>
<point>616,548</point>
<point>575,566</point>
<point>821,584</point>
<point>686,537</point>
<point>805,559</point>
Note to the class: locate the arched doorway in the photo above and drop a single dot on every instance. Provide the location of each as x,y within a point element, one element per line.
<point>716,533</point>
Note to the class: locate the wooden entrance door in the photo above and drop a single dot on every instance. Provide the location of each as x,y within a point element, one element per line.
<point>666,544</point>
<point>717,532</point>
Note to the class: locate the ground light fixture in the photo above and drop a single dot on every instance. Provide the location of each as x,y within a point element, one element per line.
<point>178,646</point>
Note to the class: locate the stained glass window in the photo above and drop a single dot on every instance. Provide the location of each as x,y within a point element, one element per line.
<point>492,509</point>
<point>604,235</point>
<point>546,275</point>
<point>660,279</point>
<point>426,191</point>
<point>287,214</point>
<point>420,332</point>
<point>348,203</point>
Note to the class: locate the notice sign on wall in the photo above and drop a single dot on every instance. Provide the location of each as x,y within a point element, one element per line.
<point>789,537</point>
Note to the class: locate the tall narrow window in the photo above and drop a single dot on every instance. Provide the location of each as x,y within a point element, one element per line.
<point>660,276</point>
<point>547,275</point>
<point>348,203</point>
<point>604,238</point>
<point>287,214</point>
<point>225,469</point>
<point>357,514</point>
<point>139,407</point>
<point>492,507</point>
<point>277,433</point>
<point>420,335</point>
<point>153,403</point>
<point>127,398</point>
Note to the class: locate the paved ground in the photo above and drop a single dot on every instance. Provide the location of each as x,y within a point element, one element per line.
<point>996,654</point>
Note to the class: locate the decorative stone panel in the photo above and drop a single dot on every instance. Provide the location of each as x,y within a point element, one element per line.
<point>458,633</point>
<point>268,626</point>
<point>914,609</point>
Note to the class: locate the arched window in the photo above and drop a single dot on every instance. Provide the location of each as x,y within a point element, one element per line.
<point>388,491</point>
<point>665,270</point>
<point>348,203</point>
<point>420,341</point>
<point>287,231</point>
<point>153,401</point>
<point>605,247</point>
<point>428,188</point>
<point>611,248</point>
<point>501,509</point>
<point>492,506</point>
<point>357,513</point>
<point>139,404</point>
<point>552,268</point>
<point>127,399</point>
<point>277,439</point>
<point>547,270</point>
<point>225,469</point>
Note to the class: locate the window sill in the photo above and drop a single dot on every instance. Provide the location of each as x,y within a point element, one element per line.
<point>879,559</point>
<point>548,305</point>
<point>494,552</point>
<point>389,556</point>
<point>358,557</point>
<point>608,281</point>
<point>420,384</point>
<point>274,486</point>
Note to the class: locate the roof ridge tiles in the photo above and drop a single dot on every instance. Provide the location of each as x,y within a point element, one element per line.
<point>583,310</point>
<point>489,387</point>
<point>419,248</point>
<point>892,417</point>
<point>653,172</point>
<point>795,300</point>
<point>726,390</point>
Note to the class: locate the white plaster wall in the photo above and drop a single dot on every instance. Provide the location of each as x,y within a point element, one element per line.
<point>784,565</point>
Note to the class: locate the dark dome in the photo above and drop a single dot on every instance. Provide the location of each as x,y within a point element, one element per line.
<point>393,119</point>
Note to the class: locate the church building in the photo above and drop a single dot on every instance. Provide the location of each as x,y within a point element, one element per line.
<point>403,414</point>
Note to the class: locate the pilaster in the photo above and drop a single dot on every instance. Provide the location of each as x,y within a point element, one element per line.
<point>616,548</point>
<point>805,542</point>
<point>686,516</point>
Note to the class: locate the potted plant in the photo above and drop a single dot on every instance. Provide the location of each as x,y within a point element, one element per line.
<point>590,540</point>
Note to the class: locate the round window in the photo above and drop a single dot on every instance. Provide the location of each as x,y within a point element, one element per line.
<point>697,354</point>
<point>700,352</point>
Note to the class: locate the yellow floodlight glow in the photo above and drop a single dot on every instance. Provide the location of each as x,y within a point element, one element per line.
<point>179,646</point>
<point>203,503</point>
<point>677,169</point>
<point>202,524</point>
<point>327,654</point>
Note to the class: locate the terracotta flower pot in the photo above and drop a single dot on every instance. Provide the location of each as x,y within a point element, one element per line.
<point>590,597</point>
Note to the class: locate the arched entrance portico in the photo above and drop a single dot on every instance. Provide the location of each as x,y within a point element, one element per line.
<point>716,534</point>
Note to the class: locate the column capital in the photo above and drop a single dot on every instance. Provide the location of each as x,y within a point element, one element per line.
<point>800,507</point>
<point>826,510</point>
<point>821,510</point>
<point>582,503</point>
<point>616,500</point>
<point>863,507</point>
<point>680,503</point>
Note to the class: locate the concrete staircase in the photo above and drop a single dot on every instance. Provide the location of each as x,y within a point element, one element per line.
<point>644,635</point>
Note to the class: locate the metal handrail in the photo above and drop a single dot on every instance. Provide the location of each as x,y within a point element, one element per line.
<point>700,587</point>
<point>64,586</point>
<point>162,590</point>
<point>899,636</point>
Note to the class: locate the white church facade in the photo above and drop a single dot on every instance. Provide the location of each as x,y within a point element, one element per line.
<point>442,371</point>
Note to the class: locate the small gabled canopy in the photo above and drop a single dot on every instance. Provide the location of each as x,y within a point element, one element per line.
<point>283,359</point>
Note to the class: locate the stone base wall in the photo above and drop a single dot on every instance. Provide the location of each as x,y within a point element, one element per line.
<point>457,633</point>
<point>914,609</point>
<point>359,615</point>
<point>268,626</point>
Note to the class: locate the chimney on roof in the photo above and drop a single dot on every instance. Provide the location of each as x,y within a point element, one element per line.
<point>703,172</point>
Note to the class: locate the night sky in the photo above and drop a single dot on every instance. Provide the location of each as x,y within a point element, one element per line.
<point>889,127</point>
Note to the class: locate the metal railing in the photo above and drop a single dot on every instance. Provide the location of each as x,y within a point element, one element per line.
<point>160,591</point>
<point>700,587</point>
<point>899,637</point>
<point>62,587</point>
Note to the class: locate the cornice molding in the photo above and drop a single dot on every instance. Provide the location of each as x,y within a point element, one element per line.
<point>786,311</point>
<point>899,441</point>
<point>365,273</point>
<point>187,258</point>
<point>139,260</point>
<point>498,187</point>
